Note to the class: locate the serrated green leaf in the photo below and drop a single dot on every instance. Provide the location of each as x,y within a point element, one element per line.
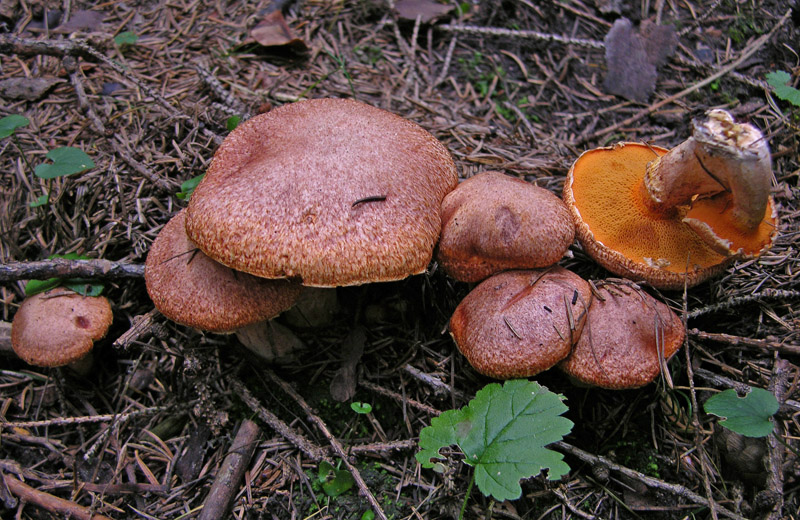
<point>779,80</point>
<point>67,160</point>
<point>9,124</point>
<point>749,415</point>
<point>187,187</point>
<point>502,432</point>
<point>126,38</point>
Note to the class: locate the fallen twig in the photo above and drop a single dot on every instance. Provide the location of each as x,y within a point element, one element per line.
<point>774,488</point>
<point>49,502</point>
<point>761,344</point>
<point>226,484</point>
<point>62,268</point>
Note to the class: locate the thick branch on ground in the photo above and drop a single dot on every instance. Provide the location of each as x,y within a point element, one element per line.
<point>61,268</point>
<point>229,477</point>
<point>55,505</point>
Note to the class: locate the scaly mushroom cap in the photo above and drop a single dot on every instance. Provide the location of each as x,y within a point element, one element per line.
<point>519,323</point>
<point>493,222</point>
<point>616,226</point>
<point>622,338</point>
<point>189,288</point>
<point>329,192</point>
<point>58,327</point>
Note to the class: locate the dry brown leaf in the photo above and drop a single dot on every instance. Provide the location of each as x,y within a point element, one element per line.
<point>427,10</point>
<point>272,31</point>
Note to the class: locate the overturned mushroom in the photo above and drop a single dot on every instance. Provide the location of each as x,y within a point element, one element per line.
<point>493,222</point>
<point>520,323</point>
<point>626,341</point>
<point>59,327</point>
<point>679,216</point>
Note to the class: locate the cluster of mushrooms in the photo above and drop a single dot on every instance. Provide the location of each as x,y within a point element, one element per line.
<point>332,192</point>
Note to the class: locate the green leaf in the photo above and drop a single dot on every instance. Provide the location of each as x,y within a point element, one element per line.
<point>67,160</point>
<point>502,432</point>
<point>79,285</point>
<point>232,122</point>
<point>334,481</point>
<point>749,415</point>
<point>41,200</point>
<point>187,187</point>
<point>779,80</point>
<point>362,408</point>
<point>126,38</point>
<point>10,123</point>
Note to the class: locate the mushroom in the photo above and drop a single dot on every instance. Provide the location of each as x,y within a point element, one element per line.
<point>627,339</point>
<point>59,327</point>
<point>520,323</point>
<point>191,289</point>
<point>679,216</point>
<point>327,192</point>
<point>492,222</point>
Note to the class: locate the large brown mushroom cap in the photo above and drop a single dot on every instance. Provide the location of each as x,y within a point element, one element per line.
<point>190,288</point>
<point>492,222</point>
<point>623,336</point>
<point>519,323</point>
<point>58,327</point>
<point>329,192</point>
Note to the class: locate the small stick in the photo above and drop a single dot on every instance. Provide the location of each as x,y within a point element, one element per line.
<point>528,35</point>
<point>61,268</point>
<point>56,505</point>
<point>141,327</point>
<point>440,388</point>
<point>337,446</point>
<point>735,341</point>
<point>226,484</point>
<point>777,385</point>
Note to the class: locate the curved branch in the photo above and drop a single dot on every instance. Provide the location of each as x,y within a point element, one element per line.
<point>61,268</point>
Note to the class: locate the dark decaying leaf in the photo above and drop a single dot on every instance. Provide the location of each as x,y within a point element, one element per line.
<point>29,89</point>
<point>426,10</point>
<point>272,31</point>
<point>632,58</point>
<point>82,20</point>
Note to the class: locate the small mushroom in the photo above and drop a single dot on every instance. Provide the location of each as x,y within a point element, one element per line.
<point>679,216</point>
<point>328,192</point>
<point>493,222</point>
<point>520,323</point>
<point>627,339</point>
<point>59,327</point>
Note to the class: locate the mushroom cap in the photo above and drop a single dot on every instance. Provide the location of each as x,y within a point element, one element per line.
<point>492,222</point>
<point>519,323</point>
<point>618,348</point>
<point>605,193</point>
<point>59,326</point>
<point>188,287</point>
<point>329,192</point>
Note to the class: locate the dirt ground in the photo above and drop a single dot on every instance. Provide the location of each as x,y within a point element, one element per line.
<point>515,86</point>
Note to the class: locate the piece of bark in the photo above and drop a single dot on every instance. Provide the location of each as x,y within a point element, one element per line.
<point>343,383</point>
<point>29,89</point>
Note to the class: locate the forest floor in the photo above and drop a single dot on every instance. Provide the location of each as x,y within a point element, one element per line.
<point>147,90</point>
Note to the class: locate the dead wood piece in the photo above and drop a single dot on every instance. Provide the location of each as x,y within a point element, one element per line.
<point>226,484</point>
<point>761,344</point>
<point>49,502</point>
<point>66,269</point>
<point>781,372</point>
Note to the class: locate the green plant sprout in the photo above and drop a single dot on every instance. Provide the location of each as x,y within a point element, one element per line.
<point>502,433</point>
<point>361,408</point>
<point>334,481</point>
<point>67,160</point>
<point>750,415</point>
<point>9,125</point>
<point>232,122</point>
<point>126,38</point>
<point>779,80</point>
<point>78,285</point>
<point>187,187</point>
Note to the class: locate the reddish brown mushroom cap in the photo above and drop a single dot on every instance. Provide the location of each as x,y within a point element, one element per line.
<point>519,323</point>
<point>622,338</point>
<point>328,191</point>
<point>493,222</point>
<point>190,288</point>
<point>59,327</point>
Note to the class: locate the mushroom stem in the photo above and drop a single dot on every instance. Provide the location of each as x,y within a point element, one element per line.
<point>721,156</point>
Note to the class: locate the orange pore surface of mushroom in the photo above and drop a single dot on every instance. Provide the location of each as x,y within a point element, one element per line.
<point>605,193</point>
<point>710,218</point>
